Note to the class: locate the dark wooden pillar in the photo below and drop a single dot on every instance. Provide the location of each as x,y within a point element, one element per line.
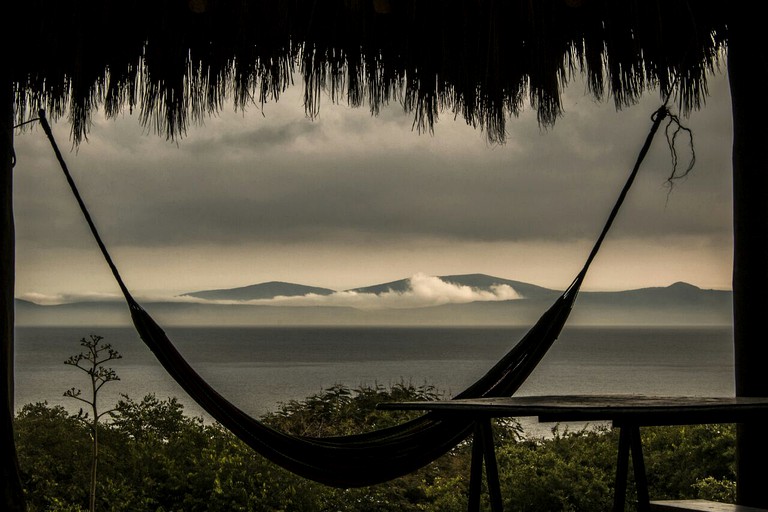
<point>748,74</point>
<point>12,496</point>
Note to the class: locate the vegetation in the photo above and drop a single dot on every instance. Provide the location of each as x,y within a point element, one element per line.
<point>154,457</point>
<point>92,361</point>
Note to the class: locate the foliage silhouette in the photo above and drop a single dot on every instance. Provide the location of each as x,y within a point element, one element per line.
<point>92,361</point>
<point>158,458</point>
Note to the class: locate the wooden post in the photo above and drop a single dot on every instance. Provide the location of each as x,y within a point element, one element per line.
<point>748,74</point>
<point>12,495</point>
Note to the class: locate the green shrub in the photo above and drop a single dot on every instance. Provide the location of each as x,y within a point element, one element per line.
<point>156,458</point>
<point>570,471</point>
<point>683,462</point>
<point>54,450</point>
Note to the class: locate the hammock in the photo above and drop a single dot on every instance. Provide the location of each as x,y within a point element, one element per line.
<point>380,455</point>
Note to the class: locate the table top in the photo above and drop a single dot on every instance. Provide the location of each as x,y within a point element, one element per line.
<point>628,409</point>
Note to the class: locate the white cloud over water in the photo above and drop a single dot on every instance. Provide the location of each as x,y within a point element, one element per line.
<point>424,290</point>
<point>67,298</point>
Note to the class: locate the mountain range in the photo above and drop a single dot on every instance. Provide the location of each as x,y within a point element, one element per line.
<point>273,289</point>
<point>484,302</point>
<point>260,291</point>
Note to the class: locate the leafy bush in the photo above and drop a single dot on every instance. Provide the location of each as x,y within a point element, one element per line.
<point>569,471</point>
<point>156,458</point>
<point>339,411</point>
<point>54,456</point>
<point>682,461</point>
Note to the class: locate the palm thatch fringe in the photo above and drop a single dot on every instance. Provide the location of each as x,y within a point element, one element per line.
<point>175,62</point>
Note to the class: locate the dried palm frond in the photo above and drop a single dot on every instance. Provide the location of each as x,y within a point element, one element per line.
<point>176,62</point>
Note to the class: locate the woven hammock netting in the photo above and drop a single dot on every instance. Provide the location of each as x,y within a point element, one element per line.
<point>380,455</point>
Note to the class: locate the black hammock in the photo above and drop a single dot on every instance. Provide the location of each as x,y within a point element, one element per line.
<point>380,455</point>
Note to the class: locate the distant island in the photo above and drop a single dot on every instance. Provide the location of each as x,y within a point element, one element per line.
<point>260,291</point>
<point>468,299</point>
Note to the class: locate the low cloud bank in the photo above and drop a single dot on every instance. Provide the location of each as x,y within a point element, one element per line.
<point>67,298</point>
<point>423,291</point>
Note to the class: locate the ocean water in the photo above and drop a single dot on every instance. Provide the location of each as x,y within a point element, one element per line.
<point>258,368</point>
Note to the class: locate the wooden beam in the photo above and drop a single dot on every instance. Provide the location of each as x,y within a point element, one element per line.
<point>700,506</point>
<point>10,486</point>
<point>748,74</point>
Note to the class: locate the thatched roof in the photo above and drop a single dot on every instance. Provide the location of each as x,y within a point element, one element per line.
<point>175,61</point>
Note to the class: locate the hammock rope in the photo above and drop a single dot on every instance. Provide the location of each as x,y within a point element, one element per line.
<point>380,455</point>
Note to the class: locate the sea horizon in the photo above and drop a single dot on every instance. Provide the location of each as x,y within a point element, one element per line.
<point>259,368</point>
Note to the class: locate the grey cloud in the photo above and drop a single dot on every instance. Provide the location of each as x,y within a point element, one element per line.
<point>270,136</point>
<point>241,186</point>
<point>394,201</point>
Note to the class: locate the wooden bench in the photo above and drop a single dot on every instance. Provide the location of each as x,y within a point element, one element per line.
<point>700,505</point>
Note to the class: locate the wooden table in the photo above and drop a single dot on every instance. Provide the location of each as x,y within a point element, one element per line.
<point>626,412</point>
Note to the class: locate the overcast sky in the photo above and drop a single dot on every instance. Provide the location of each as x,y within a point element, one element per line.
<point>349,200</point>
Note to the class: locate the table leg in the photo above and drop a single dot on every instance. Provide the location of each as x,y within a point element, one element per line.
<point>638,466</point>
<point>491,467</point>
<point>622,471</point>
<point>483,449</point>
<point>475,470</point>
<point>629,439</point>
